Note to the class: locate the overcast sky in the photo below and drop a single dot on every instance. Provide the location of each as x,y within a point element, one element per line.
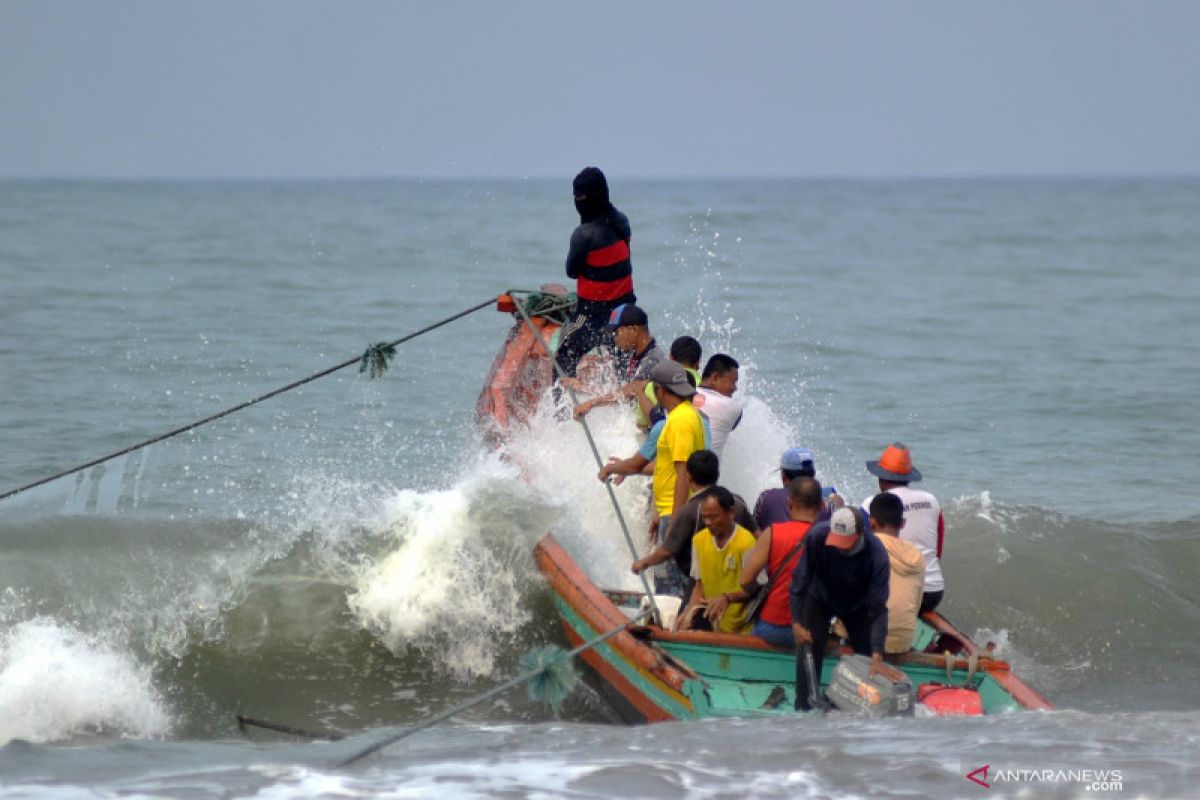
<point>513,88</point>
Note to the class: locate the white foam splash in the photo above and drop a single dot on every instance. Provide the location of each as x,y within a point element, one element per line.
<point>56,683</point>
<point>457,584</point>
<point>453,586</point>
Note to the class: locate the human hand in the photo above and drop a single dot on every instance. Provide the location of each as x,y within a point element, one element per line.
<point>801,634</point>
<point>876,665</point>
<point>638,566</point>
<point>583,408</point>
<point>716,607</point>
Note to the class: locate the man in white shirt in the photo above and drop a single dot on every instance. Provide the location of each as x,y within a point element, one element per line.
<point>714,399</point>
<point>923,523</point>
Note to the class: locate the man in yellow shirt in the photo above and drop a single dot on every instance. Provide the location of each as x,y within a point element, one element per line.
<point>718,553</point>
<point>682,435</point>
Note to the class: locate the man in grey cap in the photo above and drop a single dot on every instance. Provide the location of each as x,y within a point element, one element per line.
<point>682,435</point>
<point>772,504</point>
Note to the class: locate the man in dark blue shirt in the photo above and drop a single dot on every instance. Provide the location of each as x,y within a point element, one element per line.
<point>843,571</point>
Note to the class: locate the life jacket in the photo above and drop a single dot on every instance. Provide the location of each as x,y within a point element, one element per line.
<point>784,535</point>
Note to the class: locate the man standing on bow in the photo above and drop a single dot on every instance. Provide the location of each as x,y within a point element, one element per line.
<point>599,262</point>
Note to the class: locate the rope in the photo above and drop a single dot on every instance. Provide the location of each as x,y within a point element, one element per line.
<point>244,722</point>
<point>612,496</point>
<point>248,403</point>
<point>382,743</point>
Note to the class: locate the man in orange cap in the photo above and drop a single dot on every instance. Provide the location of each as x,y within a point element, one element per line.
<point>923,522</point>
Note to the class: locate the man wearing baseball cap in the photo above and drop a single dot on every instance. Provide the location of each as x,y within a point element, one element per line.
<point>924,525</point>
<point>843,571</point>
<point>772,504</point>
<point>631,334</point>
<point>682,435</point>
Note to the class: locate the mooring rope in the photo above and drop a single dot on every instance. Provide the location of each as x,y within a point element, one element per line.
<point>612,495</point>
<point>373,357</point>
<point>504,687</point>
<point>251,722</point>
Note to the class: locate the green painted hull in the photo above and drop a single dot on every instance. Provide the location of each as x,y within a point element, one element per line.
<point>648,674</point>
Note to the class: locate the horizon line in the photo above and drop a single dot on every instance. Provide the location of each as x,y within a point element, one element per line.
<point>866,177</point>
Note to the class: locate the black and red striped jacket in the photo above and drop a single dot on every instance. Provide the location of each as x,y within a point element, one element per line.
<point>599,261</point>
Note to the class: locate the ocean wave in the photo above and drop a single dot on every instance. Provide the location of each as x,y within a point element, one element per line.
<point>57,683</point>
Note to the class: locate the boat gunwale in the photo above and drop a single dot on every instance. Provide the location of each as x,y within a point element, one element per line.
<point>638,642</point>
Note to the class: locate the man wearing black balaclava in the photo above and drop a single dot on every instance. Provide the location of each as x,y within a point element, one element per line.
<point>599,262</point>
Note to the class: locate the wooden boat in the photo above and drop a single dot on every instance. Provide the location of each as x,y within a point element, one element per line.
<point>650,674</point>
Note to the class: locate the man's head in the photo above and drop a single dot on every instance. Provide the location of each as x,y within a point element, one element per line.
<point>630,326</point>
<point>804,498</point>
<point>716,512</point>
<point>846,528</point>
<point>721,374</point>
<point>887,513</point>
<point>703,469</point>
<point>686,351</point>
<point>591,193</point>
<point>795,463</point>
<point>894,467</point>
<point>671,384</point>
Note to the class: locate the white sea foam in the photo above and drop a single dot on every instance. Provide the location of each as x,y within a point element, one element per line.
<point>456,584</point>
<point>56,683</point>
<point>453,586</point>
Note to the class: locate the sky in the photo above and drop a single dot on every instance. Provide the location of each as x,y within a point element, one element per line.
<point>219,89</point>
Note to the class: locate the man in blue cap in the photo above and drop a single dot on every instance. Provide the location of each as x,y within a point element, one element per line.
<point>631,334</point>
<point>772,504</point>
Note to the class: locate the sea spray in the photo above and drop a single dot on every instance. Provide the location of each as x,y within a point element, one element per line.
<point>56,683</point>
<point>454,584</point>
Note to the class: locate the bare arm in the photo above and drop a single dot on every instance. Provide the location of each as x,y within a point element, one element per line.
<point>623,466</point>
<point>697,597</point>
<point>657,556</point>
<point>631,389</point>
<point>756,561</point>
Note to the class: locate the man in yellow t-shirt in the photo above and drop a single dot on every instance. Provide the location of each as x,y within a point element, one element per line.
<point>718,553</point>
<point>681,436</point>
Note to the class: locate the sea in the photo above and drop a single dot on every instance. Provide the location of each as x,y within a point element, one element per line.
<point>352,557</point>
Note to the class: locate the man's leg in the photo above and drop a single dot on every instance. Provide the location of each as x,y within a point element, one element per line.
<point>858,628</point>
<point>778,635</point>
<point>930,600</point>
<point>580,335</point>
<point>816,621</point>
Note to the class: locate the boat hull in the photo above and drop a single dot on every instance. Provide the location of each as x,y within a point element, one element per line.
<point>647,674</point>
